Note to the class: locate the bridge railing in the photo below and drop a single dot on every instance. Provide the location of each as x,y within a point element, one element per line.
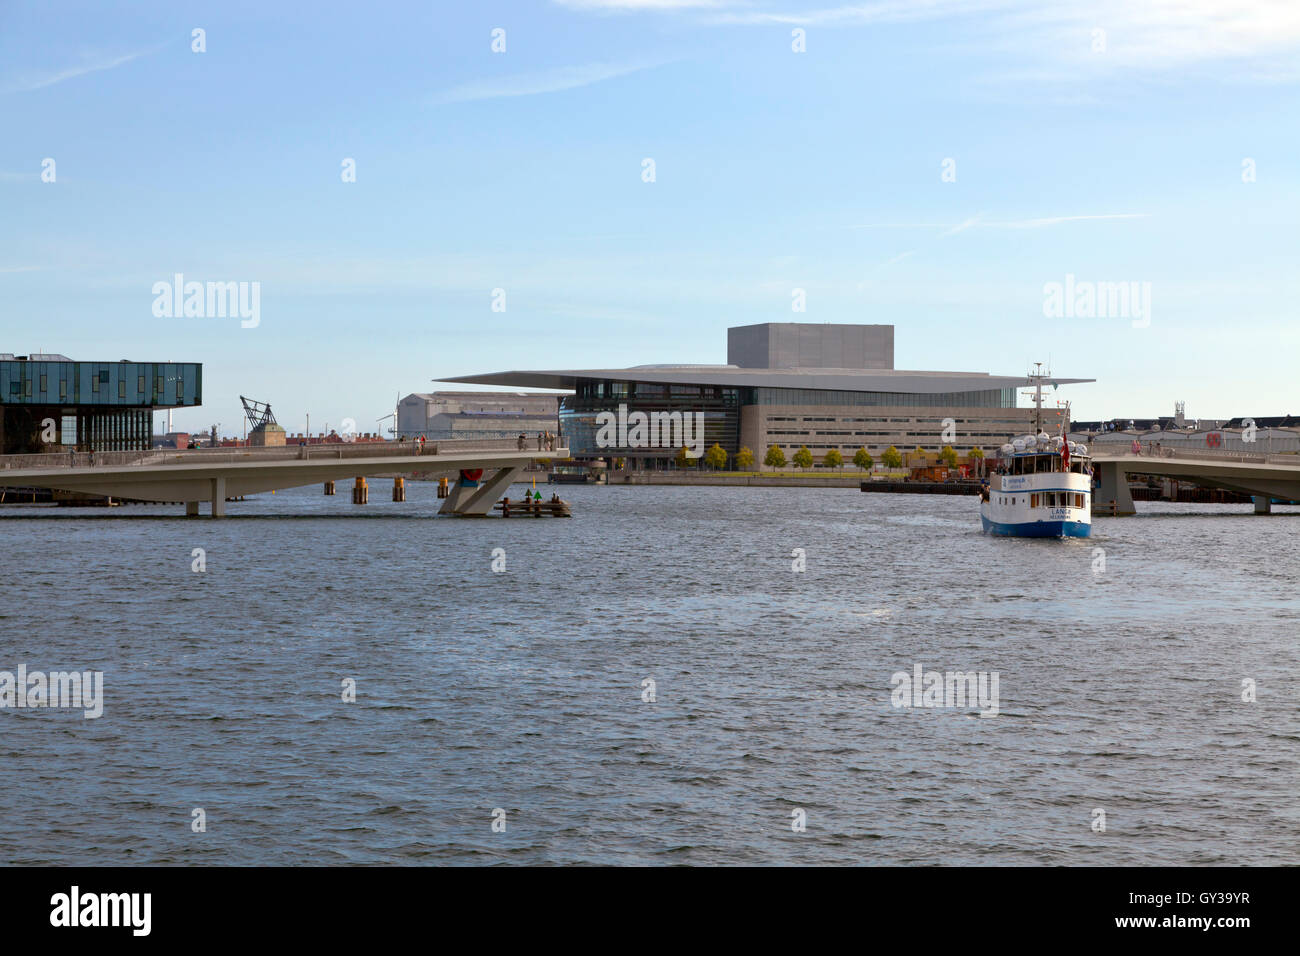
<point>1200,454</point>
<point>245,453</point>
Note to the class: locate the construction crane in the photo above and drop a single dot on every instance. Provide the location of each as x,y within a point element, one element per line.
<point>258,413</point>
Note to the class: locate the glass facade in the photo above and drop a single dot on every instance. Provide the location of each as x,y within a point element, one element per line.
<point>719,405</point>
<point>136,384</point>
<point>104,406</point>
<point>986,398</point>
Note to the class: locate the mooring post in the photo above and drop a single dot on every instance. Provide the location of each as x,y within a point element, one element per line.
<point>399,489</point>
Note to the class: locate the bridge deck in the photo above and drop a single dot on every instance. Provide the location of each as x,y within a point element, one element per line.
<point>215,476</point>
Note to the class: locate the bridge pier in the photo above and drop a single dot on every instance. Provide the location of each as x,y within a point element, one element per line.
<point>1263,504</point>
<point>1113,490</point>
<point>218,497</point>
<point>478,498</point>
<point>191,509</point>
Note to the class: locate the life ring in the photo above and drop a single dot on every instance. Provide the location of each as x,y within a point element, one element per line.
<point>1213,439</point>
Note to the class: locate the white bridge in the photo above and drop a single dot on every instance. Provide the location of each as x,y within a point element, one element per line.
<point>482,471</point>
<point>1264,477</point>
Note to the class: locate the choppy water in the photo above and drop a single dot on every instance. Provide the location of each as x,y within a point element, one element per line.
<point>1119,689</point>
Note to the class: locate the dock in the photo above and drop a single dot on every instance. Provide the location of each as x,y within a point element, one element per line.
<point>529,508</point>
<point>922,487</point>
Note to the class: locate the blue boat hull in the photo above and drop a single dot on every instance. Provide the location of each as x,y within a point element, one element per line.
<point>1039,529</point>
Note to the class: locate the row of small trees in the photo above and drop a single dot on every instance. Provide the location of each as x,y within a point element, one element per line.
<point>891,458</point>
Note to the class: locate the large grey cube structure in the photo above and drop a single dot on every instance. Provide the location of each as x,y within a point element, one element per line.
<point>803,345</point>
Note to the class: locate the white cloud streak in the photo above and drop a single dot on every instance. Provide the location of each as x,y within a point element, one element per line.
<point>633,6</point>
<point>978,222</point>
<point>28,83</point>
<point>547,81</point>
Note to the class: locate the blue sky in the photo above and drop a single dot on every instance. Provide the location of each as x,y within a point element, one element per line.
<point>1113,157</point>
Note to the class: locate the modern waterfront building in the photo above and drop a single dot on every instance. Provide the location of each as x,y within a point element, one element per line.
<point>476,415</point>
<point>790,384</point>
<point>100,406</point>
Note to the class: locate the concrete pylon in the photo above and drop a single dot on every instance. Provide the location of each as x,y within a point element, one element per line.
<point>459,494</point>
<point>1263,504</point>
<point>218,497</point>
<point>467,499</point>
<point>1113,489</point>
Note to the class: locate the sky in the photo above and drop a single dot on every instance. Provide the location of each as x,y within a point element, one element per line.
<point>628,178</point>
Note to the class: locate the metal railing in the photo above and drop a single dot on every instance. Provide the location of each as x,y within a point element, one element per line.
<point>1150,450</point>
<point>222,455</point>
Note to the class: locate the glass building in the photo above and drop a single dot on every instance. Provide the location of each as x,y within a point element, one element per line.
<point>51,403</point>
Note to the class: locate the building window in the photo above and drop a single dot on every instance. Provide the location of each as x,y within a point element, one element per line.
<point>121,388</point>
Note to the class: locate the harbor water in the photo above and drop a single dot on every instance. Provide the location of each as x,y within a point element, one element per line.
<point>652,681</point>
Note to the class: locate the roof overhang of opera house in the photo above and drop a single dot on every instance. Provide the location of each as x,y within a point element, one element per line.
<point>834,379</point>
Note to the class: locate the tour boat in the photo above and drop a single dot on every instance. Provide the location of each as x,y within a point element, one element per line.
<point>1043,489</point>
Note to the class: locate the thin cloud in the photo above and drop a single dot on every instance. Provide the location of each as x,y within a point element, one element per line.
<point>1053,220</point>
<point>962,226</point>
<point>978,222</point>
<point>636,5</point>
<point>37,82</point>
<point>1064,38</point>
<point>549,81</point>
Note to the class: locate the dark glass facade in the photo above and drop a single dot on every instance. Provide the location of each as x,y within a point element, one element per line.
<point>987,398</point>
<point>719,405</point>
<point>105,406</point>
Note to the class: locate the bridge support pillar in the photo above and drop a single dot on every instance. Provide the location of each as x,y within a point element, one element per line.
<point>399,489</point>
<point>1113,490</point>
<point>1263,504</point>
<point>218,497</point>
<point>191,509</point>
<point>329,487</point>
<point>478,499</point>
<point>360,492</point>
<point>457,495</point>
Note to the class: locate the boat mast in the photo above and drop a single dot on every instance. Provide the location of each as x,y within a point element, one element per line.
<point>1037,378</point>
